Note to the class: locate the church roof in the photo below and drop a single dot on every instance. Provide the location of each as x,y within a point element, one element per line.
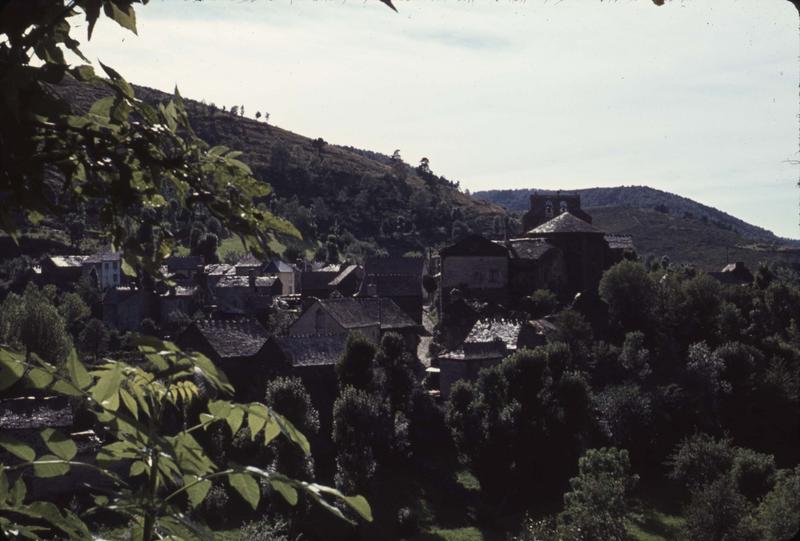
<point>564,223</point>
<point>529,248</point>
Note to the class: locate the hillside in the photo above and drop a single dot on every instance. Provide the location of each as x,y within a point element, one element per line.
<point>364,199</point>
<point>643,197</point>
<point>686,240</point>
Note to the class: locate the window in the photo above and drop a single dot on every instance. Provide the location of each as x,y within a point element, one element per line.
<point>548,209</point>
<point>494,276</point>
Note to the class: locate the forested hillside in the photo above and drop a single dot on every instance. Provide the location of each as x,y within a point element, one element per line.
<point>343,200</point>
<point>643,197</point>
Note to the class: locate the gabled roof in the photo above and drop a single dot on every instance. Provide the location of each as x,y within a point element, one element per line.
<point>219,269</point>
<point>106,256</point>
<point>277,265</point>
<point>529,248</point>
<point>564,223</point>
<point>395,265</point>
<point>347,271</point>
<point>317,280</point>
<point>354,313</point>
<point>66,261</point>
<point>233,338</point>
<point>391,285</point>
<point>474,245</point>
<point>248,260</point>
<point>493,330</point>
<point>311,350</point>
<point>232,280</point>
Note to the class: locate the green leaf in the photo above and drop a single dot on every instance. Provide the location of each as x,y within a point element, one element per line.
<point>285,489</point>
<point>235,418</point>
<point>18,492</point>
<point>271,431</point>
<point>107,384</point>
<point>137,468</point>
<point>257,415</point>
<point>38,378</point>
<point>11,368</point>
<point>77,372</point>
<point>122,13</point>
<point>196,490</point>
<point>101,109</point>
<point>295,435</point>
<point>56,467</point>
<point>130,402</point>
<point>59,444</point>
<point>246,486</point>
<point>17,448</point>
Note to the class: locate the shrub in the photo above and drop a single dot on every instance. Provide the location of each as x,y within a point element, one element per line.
<point>700,460</point>
<point>779,512</point>
<point>541,303</point>
<point>265,529</point>
<point>629,292</point>
<point>596,504</point>
<point>354,368</point>
<point>717,511</point>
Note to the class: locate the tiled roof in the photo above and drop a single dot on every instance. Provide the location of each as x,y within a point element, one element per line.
<point>391,285</point>
<point>232,280</point>
<point>311,350</point>
<point>474,245</point>
<point>99,258</point>
<point>277,265</point>
<point>344,274</point>
<point>248,260</point>
<point>493,330</point>
<point>219,269</point>
<point>317,280</point>
<point>66,261</point>
<point>233,338</point>
<point>564,223</point>
<point>395,265</point>
<point>181,291</point>
<point>529,248</point>
<point>119,294</point>
<point>353,313</point>
<point>620,242</point>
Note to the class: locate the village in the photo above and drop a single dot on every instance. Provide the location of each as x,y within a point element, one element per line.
<point>458,310</point>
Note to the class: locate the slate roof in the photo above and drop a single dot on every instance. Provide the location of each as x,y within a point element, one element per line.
<point>564,223</point>
<point>181,291</point>
<point>116,295</point>
<point>311,350</point>
<point>734,273</point>
<point>30,412</point>
<point>347,271</point>
<point>232,280</point>
<point>233,338</point>
<point>277,265</point>
<point>219,269</point>
<point>65,261</point>
<point>395,265</point>
<point>391,285</point>
<point>474,245</point>
<point>529,248</point>
<point>492,330</point>
<point>99,258</point>
<point>248,260</point>
<point>179,263</point>
<point>620,242</point>
<point>317,280</point>
<point>354,313</point>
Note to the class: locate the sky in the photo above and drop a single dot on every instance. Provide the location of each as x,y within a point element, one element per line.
<point>696,97</point>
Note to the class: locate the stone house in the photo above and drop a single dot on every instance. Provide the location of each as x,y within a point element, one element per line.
<point>106,267</point>
<point>734,274</point>
<point>245,295</point>
<point>488,342</point>
<point>546,206</point>
<point>184,269</point>
<point>316,284</point>
<point>348,281</point>
<point>234,346</point>
<point>372,317</point>
<point>124,308</point>
<point>62,270</point>
<point>288,274</point>
<point>477,267</point>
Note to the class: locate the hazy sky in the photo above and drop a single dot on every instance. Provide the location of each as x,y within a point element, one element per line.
<point>699,97</point>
